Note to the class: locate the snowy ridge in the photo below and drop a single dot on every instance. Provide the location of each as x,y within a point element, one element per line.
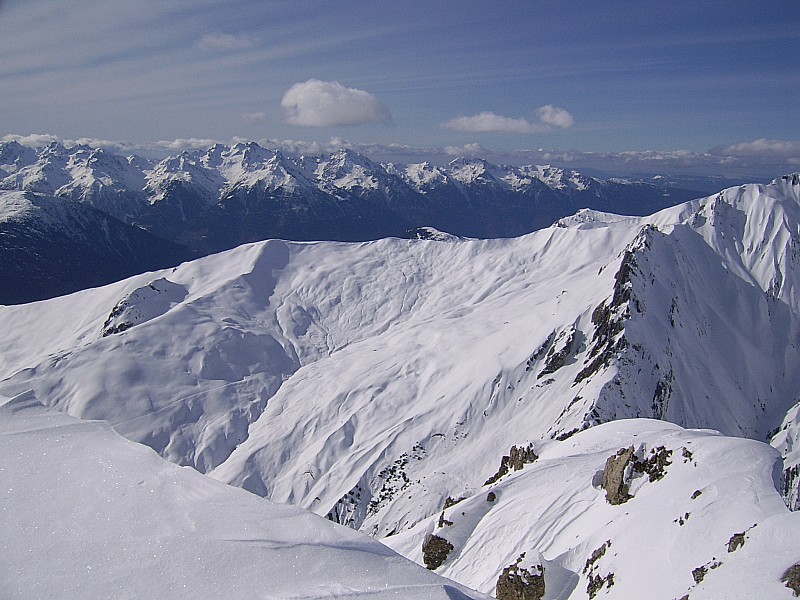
<point>370,382</point>
<point>97,516</point>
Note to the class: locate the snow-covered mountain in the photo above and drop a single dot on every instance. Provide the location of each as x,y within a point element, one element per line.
<point>376,383</point>
<point>54,245</point>
<point>224,196</point>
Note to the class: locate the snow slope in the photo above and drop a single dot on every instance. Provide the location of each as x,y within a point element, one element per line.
<point>712,490</point>
<point>369,382</point>
<point>87,514</point>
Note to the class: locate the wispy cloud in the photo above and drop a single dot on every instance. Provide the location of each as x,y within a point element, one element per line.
<point>544,118</point>
<point>182,144</point>
<point>471,150</point>
<point>255,117</point>
<point>316,103</point>
<point>226,42</point>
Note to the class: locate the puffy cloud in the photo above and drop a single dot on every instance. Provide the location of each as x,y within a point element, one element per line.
<point>545,119</point>
<point>316,103</point>
<point>555,116</point>
<point>488,121</point>
<point>225,42</point>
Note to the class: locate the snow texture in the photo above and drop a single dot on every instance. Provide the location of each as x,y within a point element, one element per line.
<point>371,382</point>
<point>87,514</point>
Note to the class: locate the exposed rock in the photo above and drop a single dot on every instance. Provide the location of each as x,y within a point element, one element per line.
<point>557,357</point>
<point>614,476</point>
<point>605,344</point>
<point>448,502</point>
<point>655,464</point>
<point>596,555</point>
<point>792,579</point>
<point>491,497</point>
<point>435,551</point>
<point>516,459</point>
<point>518,583</point>
<point>736,542</point>
<point>699,573</point>
<point>696,494</point>
<point>791,487</point>
<point>540,351</point>
<point>595,581</point>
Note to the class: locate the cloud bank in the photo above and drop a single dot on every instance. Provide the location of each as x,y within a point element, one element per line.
<point>316,103</point>
<point>763,148</point>
<point>545,118</point>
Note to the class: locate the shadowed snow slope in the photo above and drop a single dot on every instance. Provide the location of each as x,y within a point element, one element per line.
<point>87,514</point>
<point>369,382</point>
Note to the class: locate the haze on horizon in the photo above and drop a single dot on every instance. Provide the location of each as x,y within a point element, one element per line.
<point>620,86</point>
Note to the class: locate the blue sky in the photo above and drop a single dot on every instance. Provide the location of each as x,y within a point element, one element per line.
<point>704,85</point>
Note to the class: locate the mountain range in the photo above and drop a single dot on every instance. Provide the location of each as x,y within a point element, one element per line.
<point>606,407</point>
<point>200,202</point>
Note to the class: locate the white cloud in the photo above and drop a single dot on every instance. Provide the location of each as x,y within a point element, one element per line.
<point>34,140</point>
<point>316,103</point>
<point>38,140</point>
<point>225,42</point>
<point>182,144</point>
<point>545,118</point>
<point>762,148</point>
<point>555,116</point>
<point>472,150</point>
<point>488,121</point>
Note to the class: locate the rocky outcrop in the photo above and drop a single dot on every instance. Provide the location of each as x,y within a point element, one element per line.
<point>516,458</point>
<point>736,542</point>
<point>517,582</point>
<point>614,476</point>
<point>435,551</point>
<point>595,581</point>
<point>791,578</point>
<point>655,464</point>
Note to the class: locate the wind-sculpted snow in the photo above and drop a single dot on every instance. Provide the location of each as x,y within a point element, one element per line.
<point>87,514</point>
<point>372,381</point>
